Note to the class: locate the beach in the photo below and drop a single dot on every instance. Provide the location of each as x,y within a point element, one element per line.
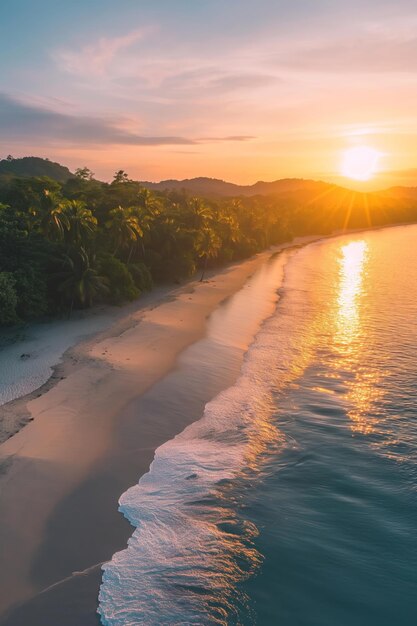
<point>292,498</point>
<point>208,314</point>
<point>63,473</point>
<point>159,385</point>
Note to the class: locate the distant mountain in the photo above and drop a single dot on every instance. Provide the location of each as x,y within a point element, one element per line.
<point>209,187</point>
<point>290,191</point>
<point>406,193</point>
<point>216,188</point>
<point>28,167</point>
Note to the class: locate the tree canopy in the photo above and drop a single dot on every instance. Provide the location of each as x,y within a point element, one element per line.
<point>74,243</point>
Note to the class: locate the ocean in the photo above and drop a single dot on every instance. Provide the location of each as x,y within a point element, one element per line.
<point>292,500</point>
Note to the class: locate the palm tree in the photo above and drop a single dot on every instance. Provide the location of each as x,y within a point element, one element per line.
<point>228,225</point>
<point>81,222</point>
<point>54,224</point>
<point>162,236</point>
<point>149,202</point>
<point>80,282</point>
<point>200,213</point>
<point>207,245</point>
<point>53,220</point>
<point>124,227</point>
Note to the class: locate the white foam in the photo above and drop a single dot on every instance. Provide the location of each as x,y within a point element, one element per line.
<point>190,548</point>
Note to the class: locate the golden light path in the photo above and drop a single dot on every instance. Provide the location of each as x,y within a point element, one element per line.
<point>352,260</point>
<point>351,336</point>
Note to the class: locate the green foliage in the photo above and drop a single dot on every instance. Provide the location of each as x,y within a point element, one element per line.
<point>29,167</point>
<point>80,282</point>
<point>80,222</point>
<point>84,173</point>
<point>141,275</point>
<point>124,228</point>
<point>31,292</point>
<point>71,241</point>
<point>120,177</point>
<point>8,300</point>
<point>120,281</point>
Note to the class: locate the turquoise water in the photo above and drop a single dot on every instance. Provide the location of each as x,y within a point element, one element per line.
<point>337,508</point>
<point>292,501</point>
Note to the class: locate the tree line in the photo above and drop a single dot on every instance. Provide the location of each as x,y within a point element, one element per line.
<point>66,246</point>
<point>74,244</point>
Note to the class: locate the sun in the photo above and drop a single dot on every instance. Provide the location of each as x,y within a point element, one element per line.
<point>360,163</point>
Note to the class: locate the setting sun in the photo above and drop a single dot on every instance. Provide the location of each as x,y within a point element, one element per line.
<point>360,163</point>
<point>208,304</point>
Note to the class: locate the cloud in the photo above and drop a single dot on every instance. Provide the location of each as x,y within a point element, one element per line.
<point>205,81</point>
<point>365,54</point>
<point>232,82</point>
<point>228,138</point>
<point>22,121</point>
<point>96,58</point>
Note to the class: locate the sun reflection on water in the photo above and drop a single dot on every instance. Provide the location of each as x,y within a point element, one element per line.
<point>351,271</point>
<point>351,336</point>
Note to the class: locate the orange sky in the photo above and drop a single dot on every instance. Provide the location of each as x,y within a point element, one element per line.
<point>227,90</point>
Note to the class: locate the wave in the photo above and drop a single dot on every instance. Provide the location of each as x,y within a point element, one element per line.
<point>192,547</point>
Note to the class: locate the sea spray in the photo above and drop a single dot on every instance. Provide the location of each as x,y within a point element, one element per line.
<point>314,447</point>
<point>191,546</point>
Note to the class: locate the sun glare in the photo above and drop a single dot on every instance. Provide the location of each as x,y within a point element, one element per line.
<point>360,163</point>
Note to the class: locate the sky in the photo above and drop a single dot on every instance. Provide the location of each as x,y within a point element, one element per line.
<point>238,90</point>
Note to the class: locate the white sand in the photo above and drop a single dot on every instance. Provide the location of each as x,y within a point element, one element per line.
<point>73,419</point>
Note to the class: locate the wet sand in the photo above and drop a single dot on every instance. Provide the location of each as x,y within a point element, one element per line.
<point>92,435</point>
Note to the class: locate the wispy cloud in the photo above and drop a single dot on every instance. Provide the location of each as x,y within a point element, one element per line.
<point>245,81</point>
<point>21,120</point>
<point>368,53</point>
<point>236,88</point>
<point>214,80</point>
<point>95,58</point>
<point>228,138</point>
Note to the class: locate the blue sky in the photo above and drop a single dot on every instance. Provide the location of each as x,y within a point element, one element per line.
<point>236,89</point>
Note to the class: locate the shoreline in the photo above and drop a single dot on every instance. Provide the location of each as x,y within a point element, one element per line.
<point>51,468</point>
<point>14,413</point>
<point>73,424</point>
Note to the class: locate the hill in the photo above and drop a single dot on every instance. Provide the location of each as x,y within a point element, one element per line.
<point>213,187</point>
<point>289,191</point>
<point>28,167</point>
